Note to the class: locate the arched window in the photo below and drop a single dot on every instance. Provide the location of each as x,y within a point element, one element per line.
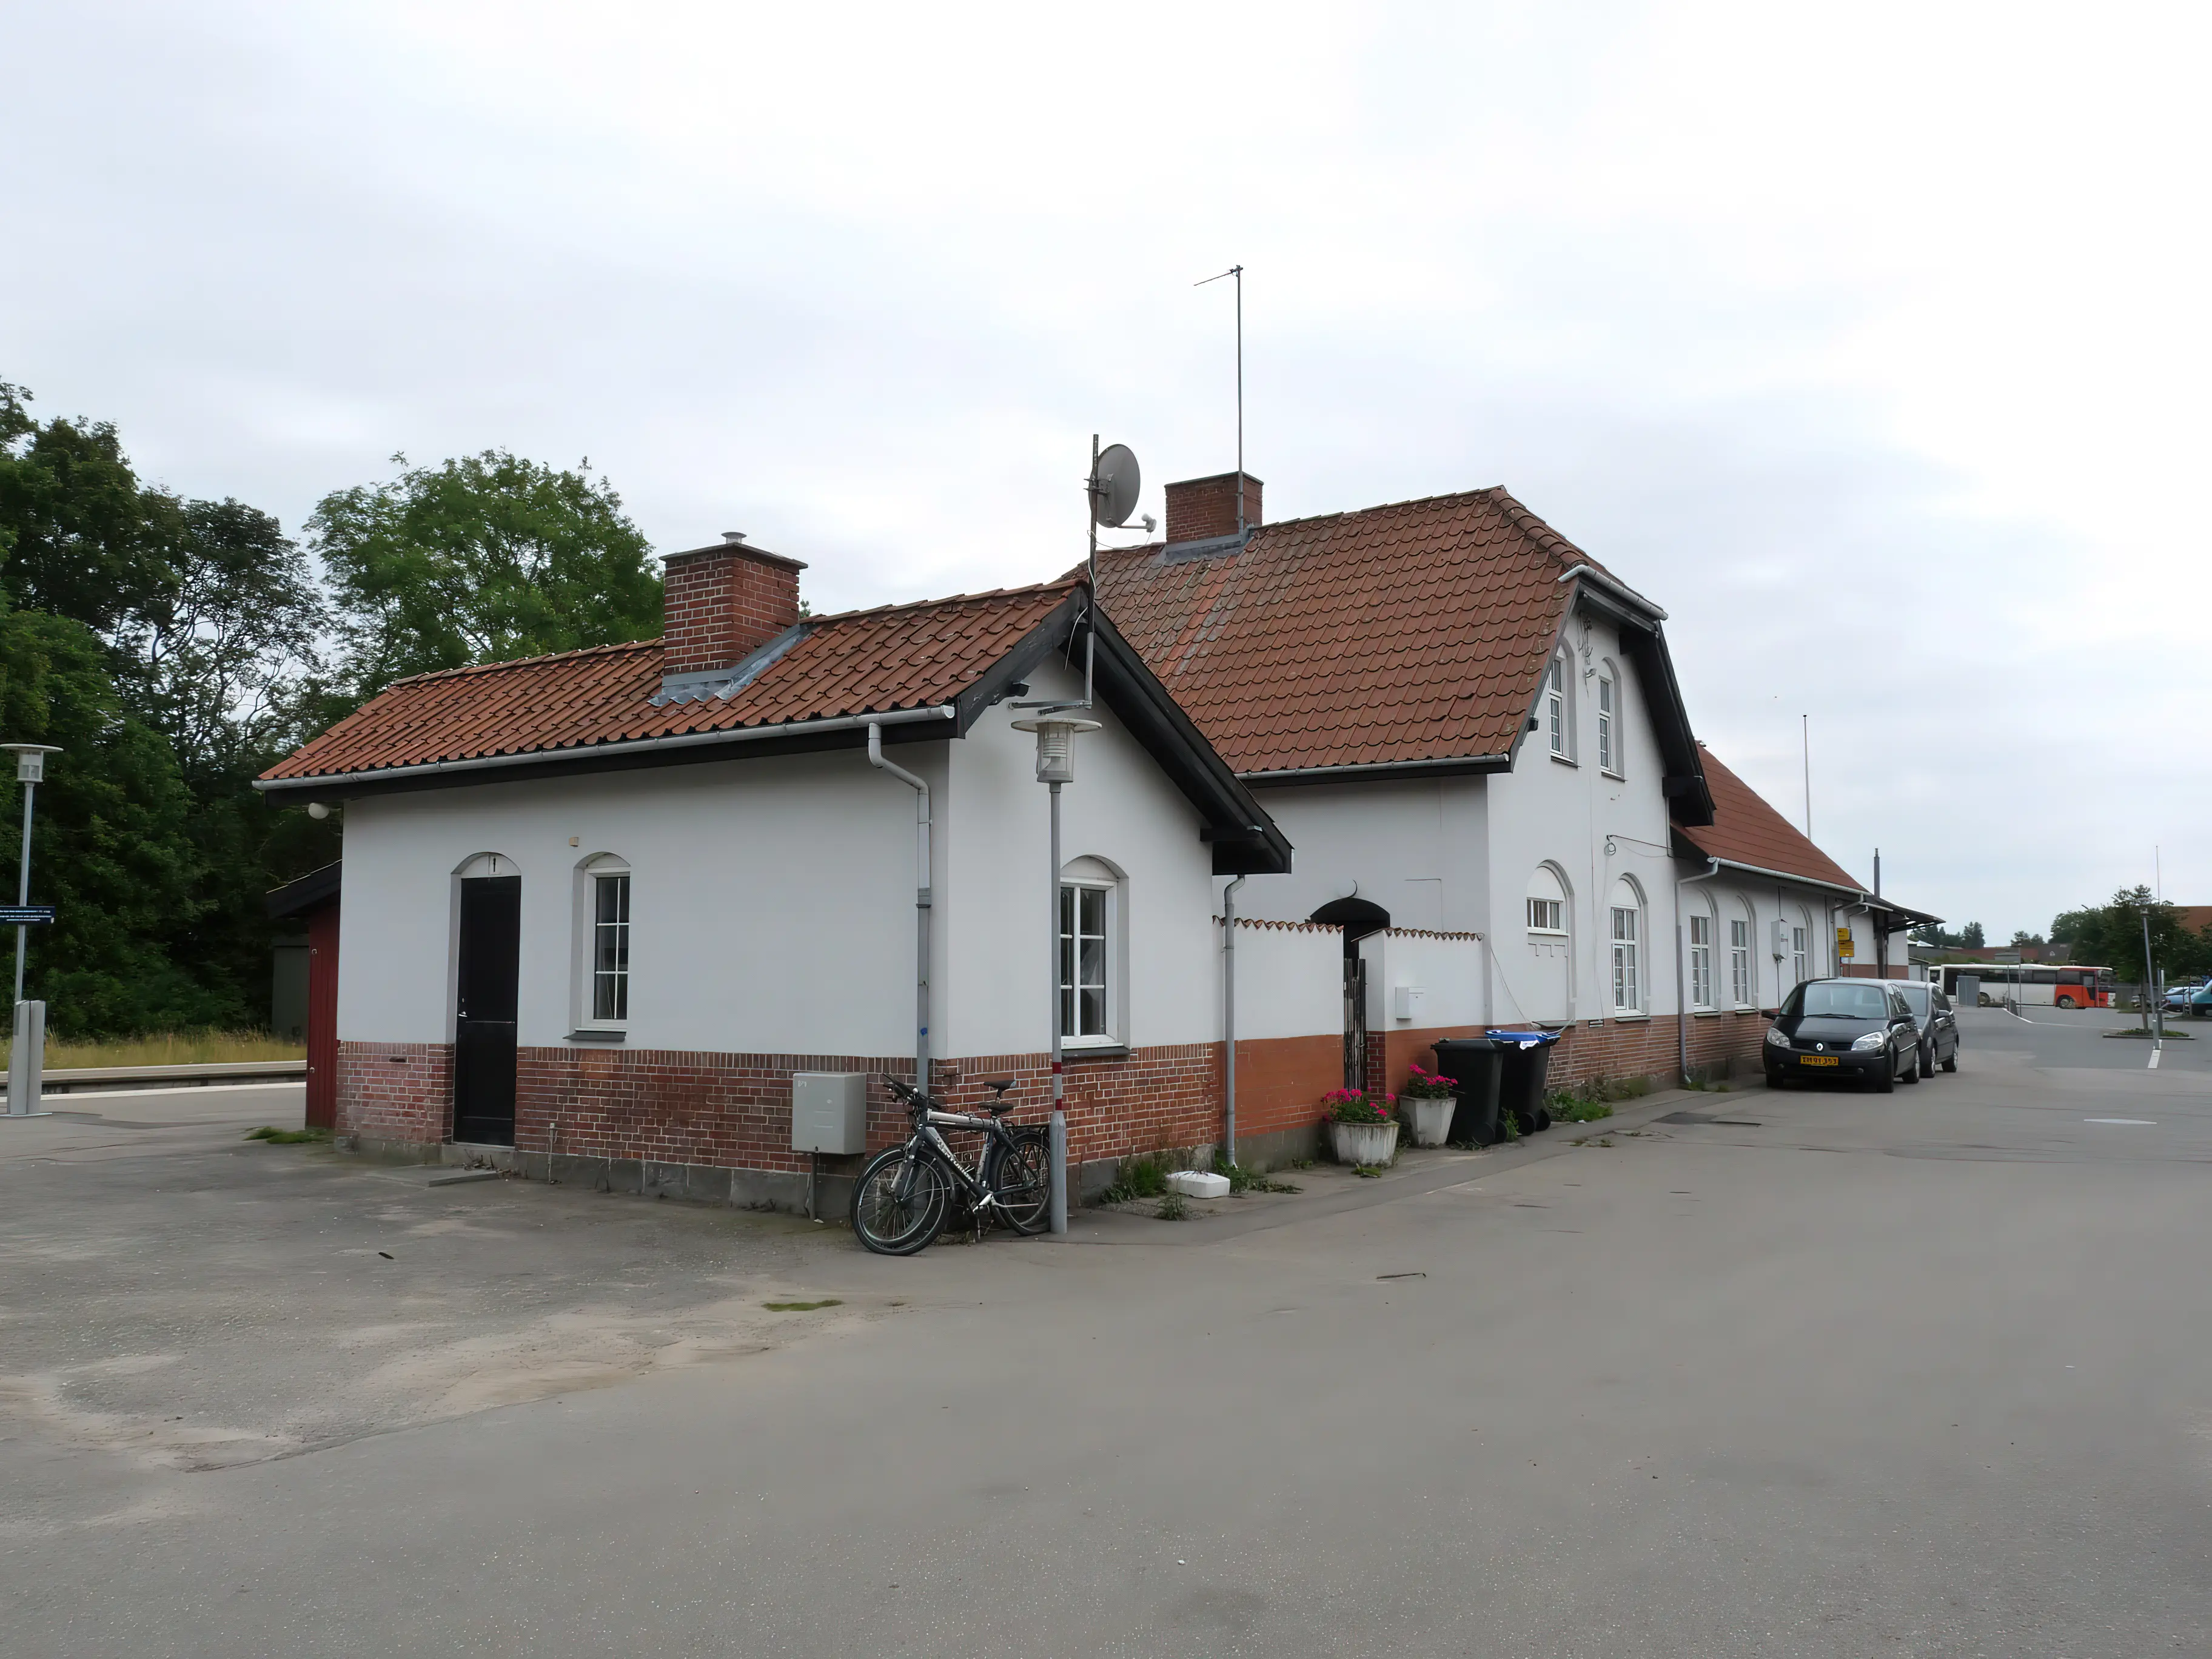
<point>1608,718</point>
<point>1091,952</point>
<point>1743,989</point>
<point>1548,900</point>
<point>488,863</point>
<point>602,943</point>
<point>1558,715</point>
<point>1627,935</point>
<point>1703,927</point>
<point>1801,939</point>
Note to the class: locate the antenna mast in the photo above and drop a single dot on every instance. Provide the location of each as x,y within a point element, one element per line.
<point>1237,271</point>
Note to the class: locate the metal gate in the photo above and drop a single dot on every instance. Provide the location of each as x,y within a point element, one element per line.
<point>1355,1022</point>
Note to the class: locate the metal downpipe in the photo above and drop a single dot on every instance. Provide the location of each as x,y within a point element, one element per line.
<point>1228,1015</point>
<point>922,900</point>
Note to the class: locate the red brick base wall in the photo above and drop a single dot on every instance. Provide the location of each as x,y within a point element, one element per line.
<point>1720,1043</point>
<point>400,1093</point>
<point>669,1106</point>
<point>733,1111</point>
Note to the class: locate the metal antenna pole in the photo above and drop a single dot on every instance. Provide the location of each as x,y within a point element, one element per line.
<point>1805,730</point>
<point>1237,271</point>
<point>1090,630</point>
<point>23,888</point>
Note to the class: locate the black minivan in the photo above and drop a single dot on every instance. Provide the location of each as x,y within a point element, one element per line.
<point>1844,1027</point>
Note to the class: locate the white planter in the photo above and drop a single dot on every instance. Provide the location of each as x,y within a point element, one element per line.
<point>1199,1183</point>
<point>1364,1143</point>
<point>1431,1121</point>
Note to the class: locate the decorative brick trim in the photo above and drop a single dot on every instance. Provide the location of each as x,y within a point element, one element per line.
<point>1265,927</point>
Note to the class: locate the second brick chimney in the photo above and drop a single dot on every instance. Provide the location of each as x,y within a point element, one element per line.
<point>721,603</point>
<point>1204,510</point>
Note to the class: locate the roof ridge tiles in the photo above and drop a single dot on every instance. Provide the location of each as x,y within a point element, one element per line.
<point>524,662</point>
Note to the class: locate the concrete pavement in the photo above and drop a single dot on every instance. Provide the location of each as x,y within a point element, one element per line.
<point>1921,1374</point>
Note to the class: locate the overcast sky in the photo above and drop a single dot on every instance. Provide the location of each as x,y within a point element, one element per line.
<point>1870,342</point>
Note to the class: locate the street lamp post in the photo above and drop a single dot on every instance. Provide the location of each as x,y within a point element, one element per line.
<point>1055,765</point>
<point>27,1055</point>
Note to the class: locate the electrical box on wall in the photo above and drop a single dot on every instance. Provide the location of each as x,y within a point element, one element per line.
<point>1781,939</point>
<point>1406,1001</point>
<point>829,1112</point>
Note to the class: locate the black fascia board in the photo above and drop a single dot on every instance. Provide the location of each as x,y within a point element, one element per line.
<point>1689,797</point>
<point>308,892</point>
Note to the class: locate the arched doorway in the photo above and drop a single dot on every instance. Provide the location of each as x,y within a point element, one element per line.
<point>1358,917</point>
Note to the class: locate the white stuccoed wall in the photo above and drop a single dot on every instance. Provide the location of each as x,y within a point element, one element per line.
<point>995,907</point>
<point>772,901</point>
<point>1449,972</point>
<point>1415,847</point>
<point>1551,809</point>
<point>1290,979</point>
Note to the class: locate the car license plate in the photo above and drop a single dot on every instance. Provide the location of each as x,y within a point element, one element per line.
<point>1818,1060</point>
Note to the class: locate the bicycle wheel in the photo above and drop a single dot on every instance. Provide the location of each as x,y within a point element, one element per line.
<point>1020,1176</point>
<point>898,1204</point>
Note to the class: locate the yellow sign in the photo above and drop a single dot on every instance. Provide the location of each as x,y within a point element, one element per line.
<point>1843,952</point>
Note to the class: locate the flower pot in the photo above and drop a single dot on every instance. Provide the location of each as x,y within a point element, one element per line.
<point>1431,1121</point>
<point>1364,1143</point>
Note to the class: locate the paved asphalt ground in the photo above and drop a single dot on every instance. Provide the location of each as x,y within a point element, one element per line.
<point>1747,1373</point>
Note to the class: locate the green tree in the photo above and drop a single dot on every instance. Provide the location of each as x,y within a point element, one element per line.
<point>483,558</point>
<point>112,850</point>
<point>1970,936</point>
<point>74,525</point>
<point>2111,935</point>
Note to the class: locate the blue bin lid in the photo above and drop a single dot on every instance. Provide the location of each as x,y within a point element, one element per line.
<point>1524,1039</point>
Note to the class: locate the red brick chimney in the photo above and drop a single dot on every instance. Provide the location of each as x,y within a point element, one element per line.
<point>722,602</point>
<point>1200,509</point>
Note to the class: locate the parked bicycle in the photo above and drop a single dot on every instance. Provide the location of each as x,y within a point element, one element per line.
<point>908,1195</point>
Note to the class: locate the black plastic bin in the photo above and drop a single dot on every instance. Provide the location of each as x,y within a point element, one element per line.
<point>1472,1064</point>
<point>1527,1057</point>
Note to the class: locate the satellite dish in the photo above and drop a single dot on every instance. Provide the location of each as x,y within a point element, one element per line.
<point>1114,484</point>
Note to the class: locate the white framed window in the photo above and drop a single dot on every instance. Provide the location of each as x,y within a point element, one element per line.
<point>1608,758</point>
<point>1740,962</point>
<point>1555,707</point>
<point>1701,962</point>
<point>1546,902</point>
<point>1089,906</point>
<point>1627,974</point>
<point>1797,955</point>
<point>603,944</point>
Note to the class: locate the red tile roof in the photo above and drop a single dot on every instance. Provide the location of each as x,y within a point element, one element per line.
<point>1745,829</point>
<point>862,662</point>
<point>1415,631</point>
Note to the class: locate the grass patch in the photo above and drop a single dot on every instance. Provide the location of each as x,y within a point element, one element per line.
<point>288,1137</point>
<point>1172,1208</point>
<point>1137,1178</point>
<point>1593,1099</point>
<point>1241,1180</point>
<point>803,1307</point>
<point>202,1048</point>
<point>1369,1171</point>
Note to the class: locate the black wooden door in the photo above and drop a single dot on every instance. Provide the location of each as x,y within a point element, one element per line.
<point>484,1031</point>
<point>1355,1022</point>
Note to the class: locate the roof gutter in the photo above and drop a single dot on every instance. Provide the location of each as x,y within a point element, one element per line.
<point>1626,595</point>
<point>1378,769</point>
<point>633,746</point>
